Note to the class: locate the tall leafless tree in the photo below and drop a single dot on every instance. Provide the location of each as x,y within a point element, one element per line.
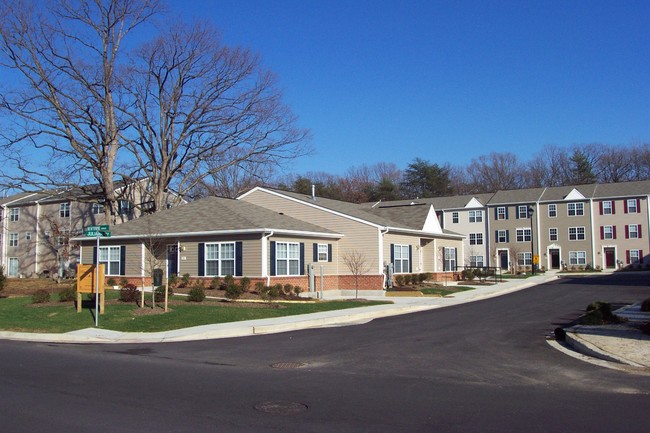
<point>201,107</point>
<point>65,58</point>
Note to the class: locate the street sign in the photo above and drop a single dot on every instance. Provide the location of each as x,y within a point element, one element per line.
<point>536,259</point>
<point>97,231</point>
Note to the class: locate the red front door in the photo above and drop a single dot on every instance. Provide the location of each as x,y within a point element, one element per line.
<point>610,258</point>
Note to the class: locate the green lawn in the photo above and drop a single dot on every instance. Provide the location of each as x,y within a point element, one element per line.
<point>444,291</point>
<point>18,314</point>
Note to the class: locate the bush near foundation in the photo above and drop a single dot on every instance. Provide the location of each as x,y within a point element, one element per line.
<point>68,294</point>
<point>196,294</point>
<point>129,293</point>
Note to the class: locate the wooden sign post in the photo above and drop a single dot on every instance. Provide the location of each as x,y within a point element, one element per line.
<point>88,279</point>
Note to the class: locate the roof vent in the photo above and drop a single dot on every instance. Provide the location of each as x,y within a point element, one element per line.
<point>313,192</point>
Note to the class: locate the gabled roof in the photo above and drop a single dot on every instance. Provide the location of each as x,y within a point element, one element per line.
<point>408,218</point>
<point>622,189</point>
<point>439,203</point>
<point>516,196</point>
<point>214,215</point>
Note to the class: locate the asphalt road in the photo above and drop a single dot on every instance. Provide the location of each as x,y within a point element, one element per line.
<point>478,367</point>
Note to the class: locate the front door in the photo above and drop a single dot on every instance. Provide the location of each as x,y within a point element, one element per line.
<point>555,259</point>
<point>610,258</point>
<point>172,260</point>
<point>503,259</point>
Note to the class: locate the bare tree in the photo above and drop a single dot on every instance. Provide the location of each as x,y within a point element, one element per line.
<point>358,265</point>
<point>196,102</point>
<point>496,171</point>
<point>66,63</point>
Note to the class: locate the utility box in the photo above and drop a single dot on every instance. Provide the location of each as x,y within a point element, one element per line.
<point>157,277</point>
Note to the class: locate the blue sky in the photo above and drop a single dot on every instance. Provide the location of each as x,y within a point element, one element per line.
<point>389,81</point>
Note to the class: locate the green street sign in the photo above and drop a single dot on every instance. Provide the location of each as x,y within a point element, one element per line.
<point>104,228</point>
<point>92,233</point>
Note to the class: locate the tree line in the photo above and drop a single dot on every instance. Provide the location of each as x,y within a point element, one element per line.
<point>552,166</point>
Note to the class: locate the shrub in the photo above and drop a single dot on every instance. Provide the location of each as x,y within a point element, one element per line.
<point>196,294</point>
<point>111,282</point>
<point>288,289</point>
<point>172,281</point>
<point>599,313</point>
<point>3,278</point>
<point>41,296</point>
<point>159,293</point>
<point>185,280</point>
<point>468,274</point>
<point>245,284</point>
<point>259,287</point>
<point>589,267</point>
<point>228,280</point>
<point>275,291</point>
<point>645,305</point>
<point>215,283</point>
<point>428,276</point>
<point>422,278</point>
<point>399,279</point>
<point>297,290</point>
<point>68,294</point>
<point>124,282</point>
<point>129,293</point>
<point>233,290</point>
<point>407,279</point>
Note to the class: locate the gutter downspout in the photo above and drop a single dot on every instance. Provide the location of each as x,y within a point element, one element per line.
<point>265,257</point>
<point>538,218</point>
<point>5,229</point>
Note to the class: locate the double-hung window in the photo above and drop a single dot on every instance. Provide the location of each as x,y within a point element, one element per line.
<point>475,216</point>
<point>576,233</point>
<point>64,210</point>
<point>633,231</point>
<point>110,258</point>
<point>607,208</point>
<point>524,259</point>
<point>577,257</point>
<point>449,263</point>
<point>575,209</point>
<point>220,259</point>
<point>13,239</point>
<point>476,238</point>
<point>476,261</point>
<point>552,234</point>
<point>501,213</point>
<point>401,259</point>
<point>323,252</point>
<point>552,210</point>
<point>502,236</point>
<point>608,232</point>
<point>454,217</point>
<point>14,214</point>
<point>524,235</point>
<point>632,206</point>
<point>634,257</point>
<point>97,209</point>
<point>287,258</point>
<point>522,212</point>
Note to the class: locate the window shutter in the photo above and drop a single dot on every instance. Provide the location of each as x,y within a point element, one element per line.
<point>315,252</point>
<point>627,231</point>
<point>517,209</point>
<point>638,229</point>
<point>123,260</point>
<point>600,205</point>
<point>496,213</point>
<point>302,258</point>
<point>410,259</point>
<point>329,252</point>
<point>272,269</point>
<point>507,235</point>
<point>638,205</point>
<point>455,259</point>
<point>94,255</point>
<point>392,253</point>
<point>641,256</point>
<point>506,212</point>
<point>627,257</point>
<point>613,207</point>
<point>624,206</point>
<point>614,231</point>
<point>602,232</point>
<point>239,259</point>
<point>201,259</point>
<point>496,236</point>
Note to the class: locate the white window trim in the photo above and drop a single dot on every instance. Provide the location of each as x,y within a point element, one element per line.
<point>631,204</point>
<point>220,260</point>
<point>404,261</point>
<point>554,207</point>
<point>455,218</point>
<point>637,259</point>
<point>550,234</point>
<point>584,233</point>
<point>505,236</point>
<point>605,233</point>
<point>523,235</point>
<point>14,214</point>
<point>524,259</point>
<point>64,210</point>
<point>578,209</point>
<point>323,249</point>
<point>636,231</point>
<point>98,209</point>
<point>14,239</point>
<point>478,239</point>
<point>522,209</point>
<point>606,209</point>
<point>474,261</point>
<point>475,216</point>
<point>579,256</point>
<point>107,263</point>
<point>501,213</point>
<point>287,260</point>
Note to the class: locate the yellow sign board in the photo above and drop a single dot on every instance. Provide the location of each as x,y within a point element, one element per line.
<point>87,279</point>
<point>536,259</point>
